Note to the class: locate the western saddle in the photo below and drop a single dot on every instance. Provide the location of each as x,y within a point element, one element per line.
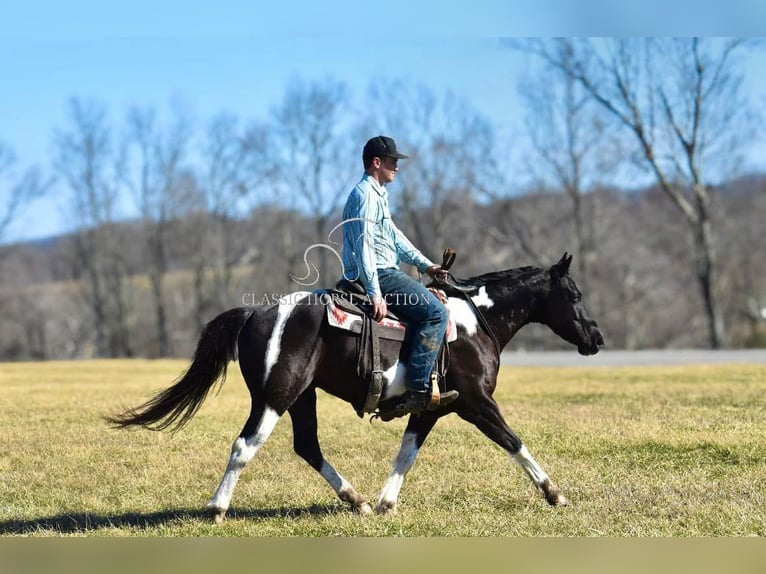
<point>350,297</point>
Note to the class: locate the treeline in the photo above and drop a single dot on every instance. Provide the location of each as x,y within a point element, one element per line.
<point>178,219</point>
<point>639,285</point>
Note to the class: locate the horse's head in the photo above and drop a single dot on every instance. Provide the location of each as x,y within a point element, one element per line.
<point>564,311</point>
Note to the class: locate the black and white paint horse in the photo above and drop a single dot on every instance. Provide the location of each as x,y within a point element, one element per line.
<point>287,351</point>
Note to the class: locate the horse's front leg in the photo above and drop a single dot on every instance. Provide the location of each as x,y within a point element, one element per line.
<point>488,420</point>
<point>415,434</point>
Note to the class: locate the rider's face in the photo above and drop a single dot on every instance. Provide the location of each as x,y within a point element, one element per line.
<point>388,169</point>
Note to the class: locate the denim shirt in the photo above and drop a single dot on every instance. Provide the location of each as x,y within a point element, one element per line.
<point>371,240</point>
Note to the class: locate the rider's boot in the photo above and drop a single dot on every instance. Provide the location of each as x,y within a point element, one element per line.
<point>415,402</point>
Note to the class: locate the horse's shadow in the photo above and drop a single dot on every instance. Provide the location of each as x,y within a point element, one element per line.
<point>84,522</point>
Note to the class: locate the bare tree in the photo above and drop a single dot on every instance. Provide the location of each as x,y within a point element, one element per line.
<point>451,149</point>
<point>224,187</point>
<point>217,194</point>
<point>568,139</point>
<point>86,160</point>
<point>153,176</point>
<point>195,234</point>
<point>680,100</point>
<point>312,153</point>
<point>743,203</point>
<point>18,188</point>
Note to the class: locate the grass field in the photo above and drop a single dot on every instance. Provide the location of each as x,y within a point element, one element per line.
<point>651,451</point>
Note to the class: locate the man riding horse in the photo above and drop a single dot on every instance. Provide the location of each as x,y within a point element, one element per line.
<point>287,351</point>
<point>373,247</point>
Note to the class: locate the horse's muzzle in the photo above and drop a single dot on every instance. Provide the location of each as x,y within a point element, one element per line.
<point>595,344</point>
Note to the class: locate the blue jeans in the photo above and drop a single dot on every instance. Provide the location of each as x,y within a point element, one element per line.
<point>426,319</point>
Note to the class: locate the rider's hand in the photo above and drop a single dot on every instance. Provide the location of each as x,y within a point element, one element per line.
<point>379,308</point>
<point>436,272</point>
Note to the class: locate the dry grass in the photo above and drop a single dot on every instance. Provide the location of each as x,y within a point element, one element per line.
<point>661,451</point>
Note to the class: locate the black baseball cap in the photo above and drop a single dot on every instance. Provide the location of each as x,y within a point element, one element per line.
<point>381,146</point>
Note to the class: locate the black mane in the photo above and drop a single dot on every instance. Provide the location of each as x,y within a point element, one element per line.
<point>508,278</point>
<point>517,274</point>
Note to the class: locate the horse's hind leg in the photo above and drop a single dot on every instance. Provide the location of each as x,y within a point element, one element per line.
<point>257,429</point>
<point>306,443</point>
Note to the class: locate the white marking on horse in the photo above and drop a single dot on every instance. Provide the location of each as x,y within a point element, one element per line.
<point>403,463</point>
<point>530,466</point>
<point>482,299</point>
<point>343,488</point>
<point>242,451</point>
<point>462,312</point>
<point>464,316</point>
<point>332,477</point>
<point>286,306</point>
<point>394,381</point>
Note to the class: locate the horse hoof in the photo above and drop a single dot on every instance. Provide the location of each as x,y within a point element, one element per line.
<point>552,495</point>
<point>364,509</point>
<point>217,514</point>
<point>388,508</point>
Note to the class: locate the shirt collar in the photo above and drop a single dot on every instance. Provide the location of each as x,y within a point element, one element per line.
<point>380,189</point>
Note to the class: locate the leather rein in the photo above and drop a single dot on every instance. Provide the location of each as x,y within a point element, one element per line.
<point>447,260</point>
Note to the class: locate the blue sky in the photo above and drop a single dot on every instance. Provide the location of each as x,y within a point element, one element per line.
<point>238,56</point>
<point>244,76</point>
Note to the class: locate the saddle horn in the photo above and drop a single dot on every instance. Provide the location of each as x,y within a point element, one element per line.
<point>448,258</point>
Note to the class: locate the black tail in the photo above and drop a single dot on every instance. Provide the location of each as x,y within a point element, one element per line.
<point>175,406</point>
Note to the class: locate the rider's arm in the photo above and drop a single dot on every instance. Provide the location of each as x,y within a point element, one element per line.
<point>408,252</point>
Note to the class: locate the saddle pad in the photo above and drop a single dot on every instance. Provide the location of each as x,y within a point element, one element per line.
<point>394,330</point>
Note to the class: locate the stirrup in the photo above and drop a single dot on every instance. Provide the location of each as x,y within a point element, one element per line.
<point>439,399</point>
<point>443,400</point>
<point>411,403</point>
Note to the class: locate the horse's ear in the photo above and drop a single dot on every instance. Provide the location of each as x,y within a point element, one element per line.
<point>562,267</point>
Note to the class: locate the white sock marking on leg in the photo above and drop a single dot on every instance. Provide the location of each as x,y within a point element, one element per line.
<point>402,465</point>
<point>530,466</point>
<point>242,451</point>
<point>335,480</point>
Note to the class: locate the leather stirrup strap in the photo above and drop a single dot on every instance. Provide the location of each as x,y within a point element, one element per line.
<point>376,374</point>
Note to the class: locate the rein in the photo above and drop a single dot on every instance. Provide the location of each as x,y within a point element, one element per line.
<point>448,260</point>
<point>450,280</point>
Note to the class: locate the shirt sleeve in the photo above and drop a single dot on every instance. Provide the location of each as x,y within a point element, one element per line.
<point>364,211</point>
<point>408,252</point>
